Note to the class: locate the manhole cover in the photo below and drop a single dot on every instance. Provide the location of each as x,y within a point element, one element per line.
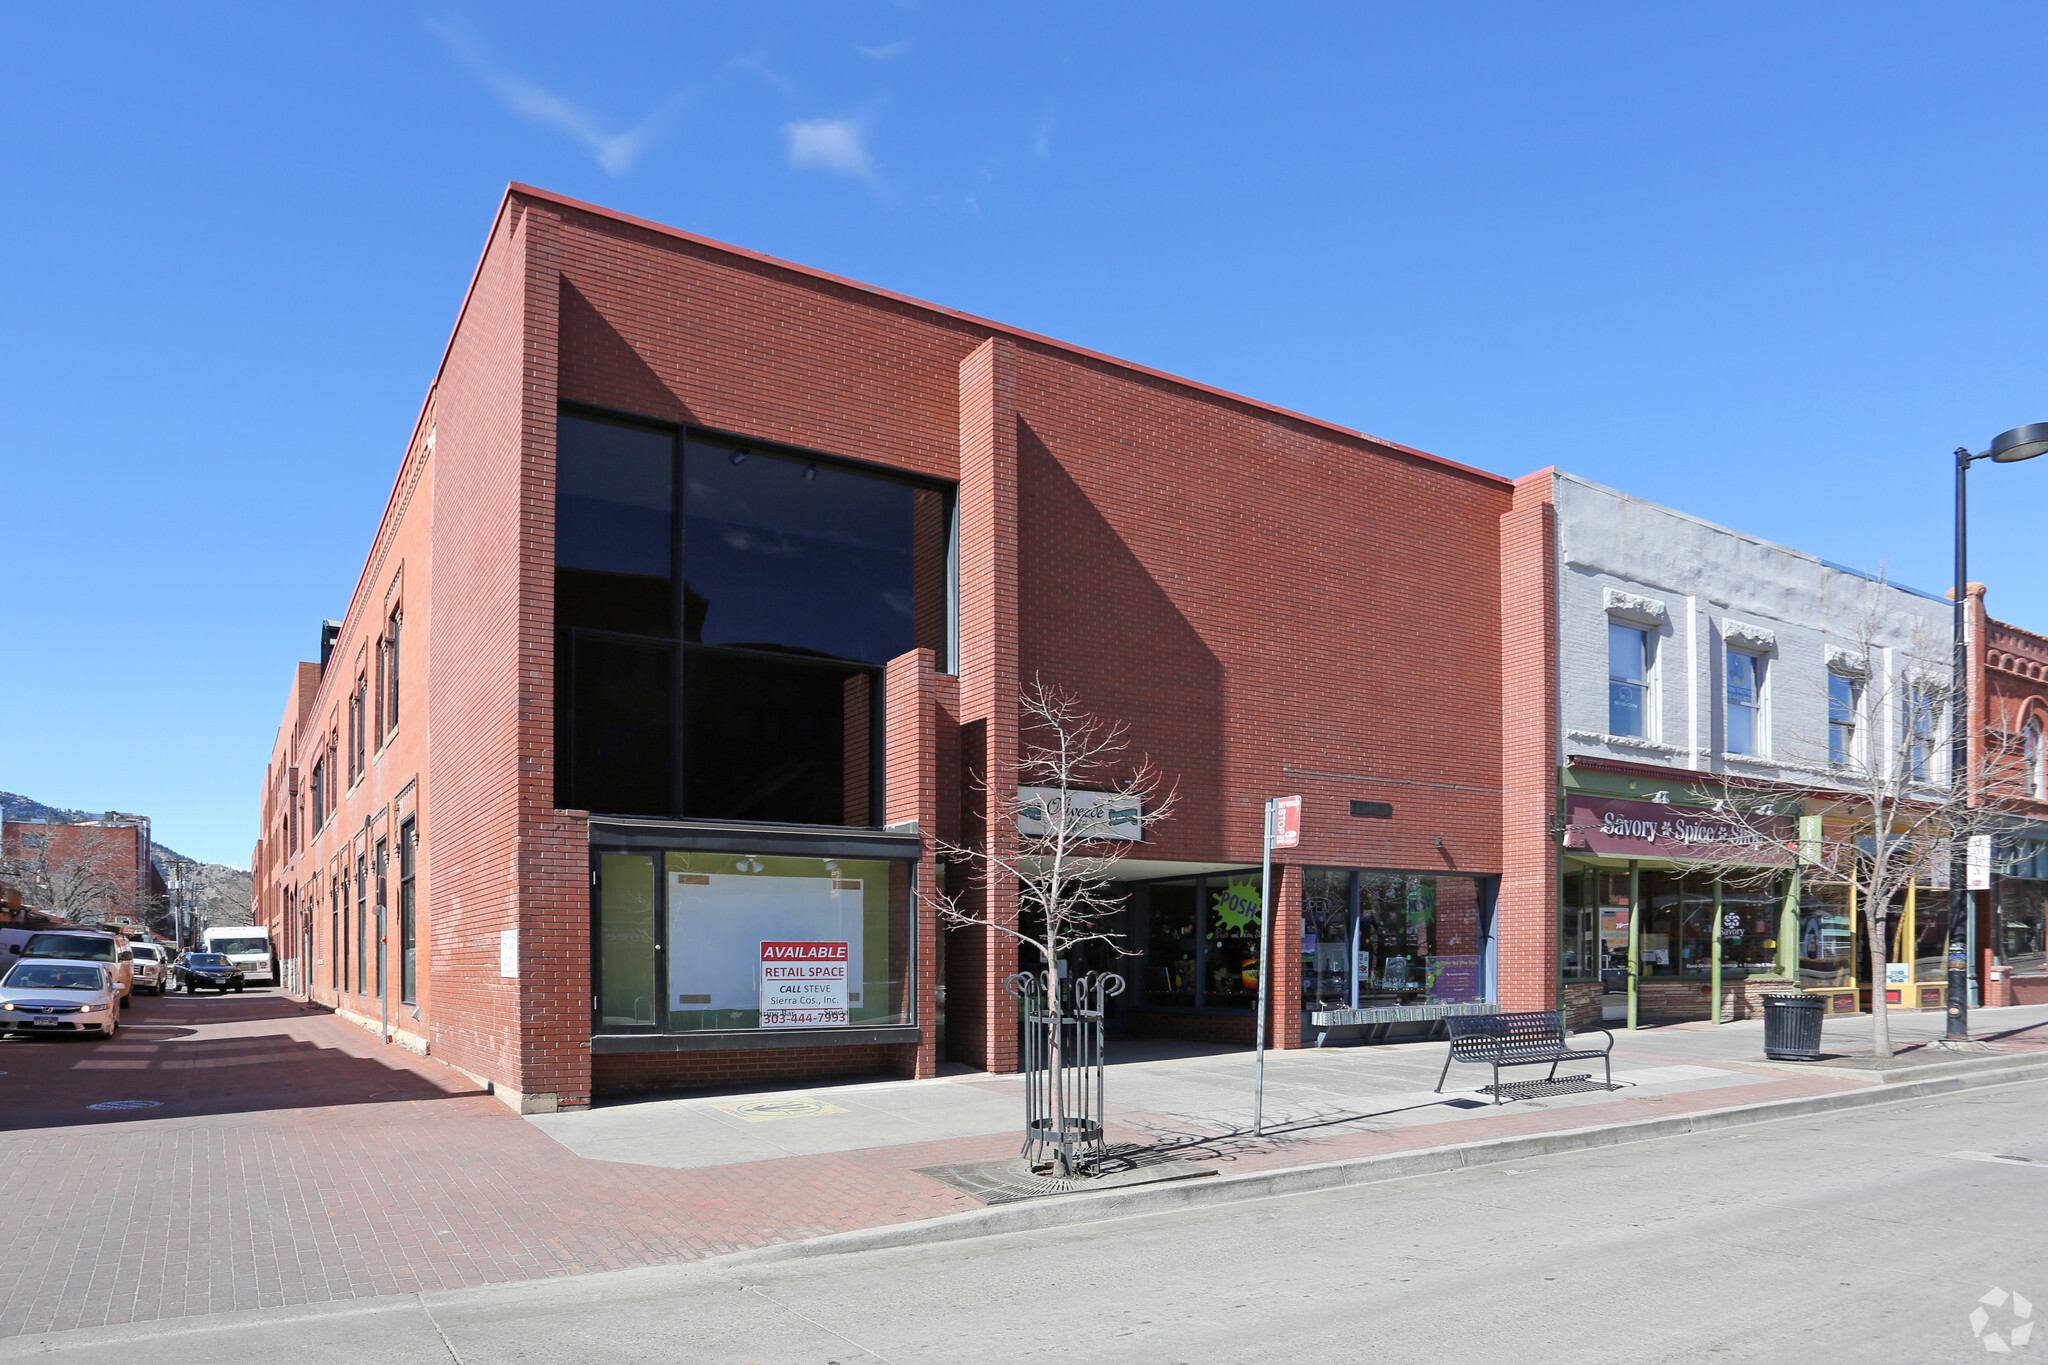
<point>761,1111</point>
<point>125,1104</point>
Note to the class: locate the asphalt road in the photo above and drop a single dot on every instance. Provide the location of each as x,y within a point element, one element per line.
<point>1861,1237</point>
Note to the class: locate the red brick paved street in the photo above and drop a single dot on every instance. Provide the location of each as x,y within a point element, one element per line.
<point>292,1159</point>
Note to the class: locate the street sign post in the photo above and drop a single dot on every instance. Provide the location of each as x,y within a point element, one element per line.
<point>1282,830</point>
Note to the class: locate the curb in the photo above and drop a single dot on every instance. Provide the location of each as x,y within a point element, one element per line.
<point>1068,1210</point>
<point>1961,1065</point>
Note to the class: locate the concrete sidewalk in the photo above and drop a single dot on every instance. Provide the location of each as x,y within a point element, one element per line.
<point>1194,1100</point>
<point>265,1155</point>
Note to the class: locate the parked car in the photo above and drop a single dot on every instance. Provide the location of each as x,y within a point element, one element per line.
<point>82,945</point>
<point>47,995</point>
<point>152,970</point>
<point>209,971</point>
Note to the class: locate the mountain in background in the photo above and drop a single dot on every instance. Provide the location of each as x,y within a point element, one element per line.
<point>222,893</point>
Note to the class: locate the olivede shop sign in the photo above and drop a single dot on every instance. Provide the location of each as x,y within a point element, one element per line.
<point>1644,829</point>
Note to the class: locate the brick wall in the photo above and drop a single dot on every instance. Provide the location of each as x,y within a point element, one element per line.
<point>1272,604</point>
<point>1526,912</point>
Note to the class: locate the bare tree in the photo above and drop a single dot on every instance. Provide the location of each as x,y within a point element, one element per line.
<point>1881,812</point>
<point>82,885</point>
<point>1076,803</point>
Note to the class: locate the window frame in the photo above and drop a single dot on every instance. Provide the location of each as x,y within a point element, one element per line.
<point>657,850</point>
<point>678,649</point>
<point>1922,747</point>
<point>1642,683</point>
<point>387,706</point>
<point>2031,758</point>
<point>1759,725</point>
<point>408,910</point>
<point>1851,756</point>
<point>362,922</point>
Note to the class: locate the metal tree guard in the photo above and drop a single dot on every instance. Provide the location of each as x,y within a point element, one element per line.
<point>1063,1092</point>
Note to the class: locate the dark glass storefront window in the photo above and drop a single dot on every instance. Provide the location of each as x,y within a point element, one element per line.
<point>1678,925</point>
<point>755,693</point>
<point>1170,945</point>
<point>1390,938</point>
<point>1827,938</point>
<point>2022,925</point>
<point>1201,944</point>
<point>1578,948</point>
<point>613,521</point>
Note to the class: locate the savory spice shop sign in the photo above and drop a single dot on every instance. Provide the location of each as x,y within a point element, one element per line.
<point>1644,829</point>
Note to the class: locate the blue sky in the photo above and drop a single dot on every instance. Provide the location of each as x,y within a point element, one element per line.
<point>1766,263</point>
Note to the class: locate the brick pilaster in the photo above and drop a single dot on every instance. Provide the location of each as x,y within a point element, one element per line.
<point>980,1023</point>
<point>910,775</point>
<point>1525,917</point>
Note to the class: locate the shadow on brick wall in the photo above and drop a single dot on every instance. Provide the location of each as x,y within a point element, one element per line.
<point>1095,620</point>
<point>601,367</point>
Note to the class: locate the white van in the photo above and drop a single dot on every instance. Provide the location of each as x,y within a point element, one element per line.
<point>246,947</point>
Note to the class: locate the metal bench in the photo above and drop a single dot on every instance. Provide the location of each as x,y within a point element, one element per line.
<point>1526,1039</point>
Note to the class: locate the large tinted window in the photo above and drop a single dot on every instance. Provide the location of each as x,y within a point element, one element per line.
<point>613,499</point>
<point>788,555</point>
<point>755,694</point>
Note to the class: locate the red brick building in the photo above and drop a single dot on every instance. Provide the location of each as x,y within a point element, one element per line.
<point>93,872</point>
<point>701,606</point>
<point>2009,714</point>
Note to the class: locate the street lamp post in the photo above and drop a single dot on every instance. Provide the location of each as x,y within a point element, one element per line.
<point>2021,443</point>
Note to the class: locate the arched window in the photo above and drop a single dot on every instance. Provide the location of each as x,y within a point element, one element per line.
<point>2030,747</point>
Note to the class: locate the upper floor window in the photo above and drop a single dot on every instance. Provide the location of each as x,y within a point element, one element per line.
<point>388,704</point>
<point>2030,753</point>
<point>1745,702</point>
<point>1922,722</point>
<point>1845,705</point>
<point>319,793</point>
<point>724,612</point>
<point>357,723</point>
<point>1628,680</point>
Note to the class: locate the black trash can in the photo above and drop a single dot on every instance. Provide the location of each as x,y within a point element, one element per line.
<point>1792,1026</point>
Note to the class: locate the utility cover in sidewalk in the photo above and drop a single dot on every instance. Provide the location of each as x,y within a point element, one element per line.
<point>1011,1179</point>
<point>762,1111</point>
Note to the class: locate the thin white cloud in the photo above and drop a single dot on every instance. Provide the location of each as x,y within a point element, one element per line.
<point>837,146</point>
<point>1041,136</point>
<point>758,64</point>
<point>885,52</point>
<point>616,152</point>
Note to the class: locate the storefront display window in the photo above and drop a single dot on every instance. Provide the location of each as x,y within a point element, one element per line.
<point>1827,938</point>
<point>1578,949</point>
<point>625,938</point>
<point>2022,925</point>
<point>1930,934</point>
<point>776,942</point>
<point>1232,945</point>
<point>1679,928</point>
<point>1201,943</point>
<point>1398,939</point>
<point>739,941</point>
<point>1749,927</point>
<point>1170,965</point>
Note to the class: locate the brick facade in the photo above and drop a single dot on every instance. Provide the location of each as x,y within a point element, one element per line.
<point>1272,604</point>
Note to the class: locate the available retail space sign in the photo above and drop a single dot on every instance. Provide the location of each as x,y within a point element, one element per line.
<point>1645,829</point>
<point>803,984</point>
